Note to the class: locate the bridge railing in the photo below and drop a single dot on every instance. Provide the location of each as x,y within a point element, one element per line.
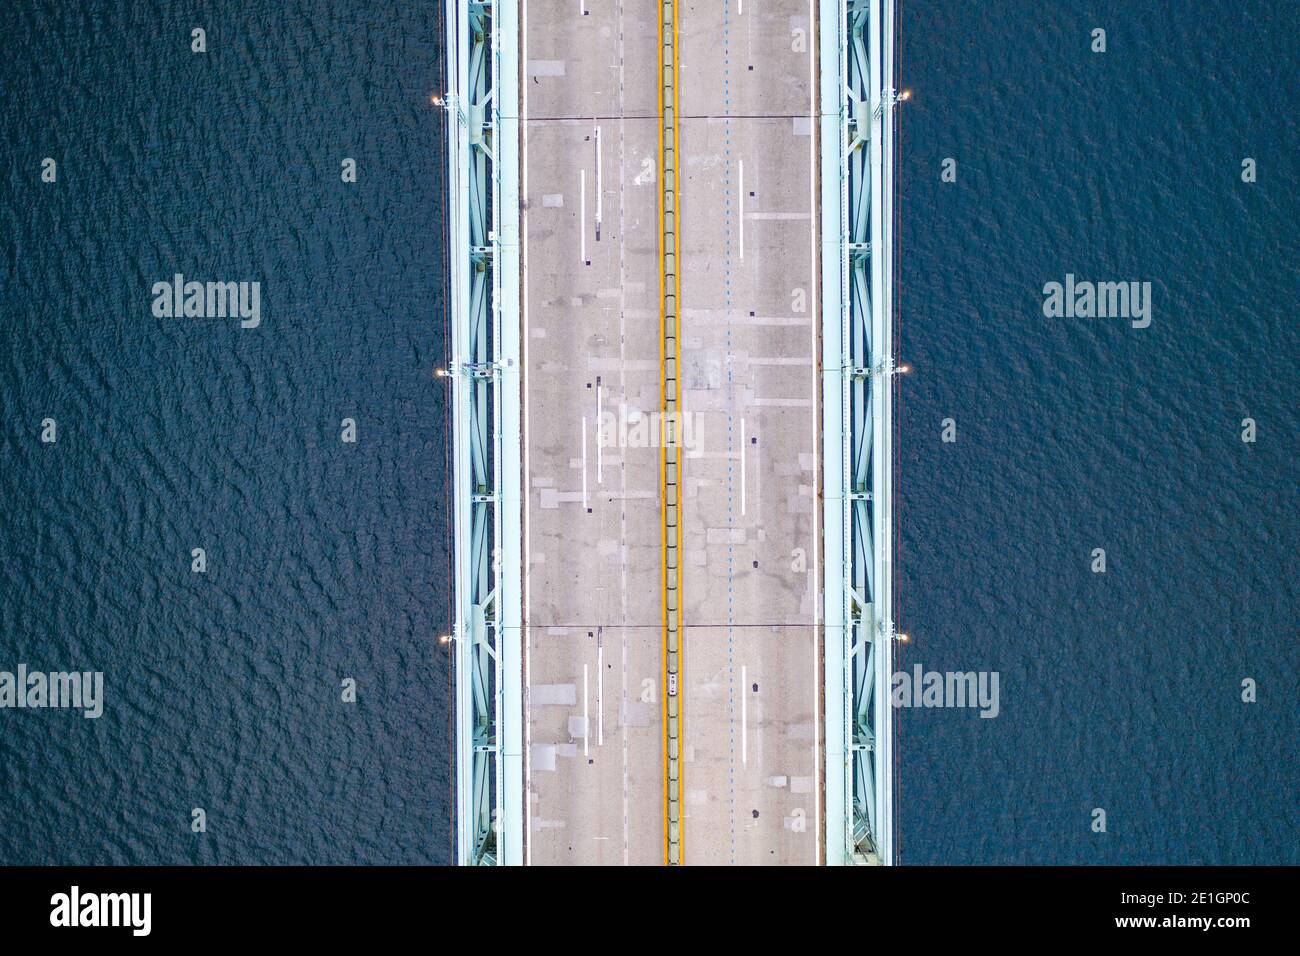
<point>483,264</point>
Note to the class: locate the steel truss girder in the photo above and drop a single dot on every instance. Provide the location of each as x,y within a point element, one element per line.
<point>478,363</point>
<point>866,348</point>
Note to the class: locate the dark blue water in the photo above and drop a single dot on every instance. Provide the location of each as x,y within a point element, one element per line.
<point>326,560</point>
<point>1119,690</point>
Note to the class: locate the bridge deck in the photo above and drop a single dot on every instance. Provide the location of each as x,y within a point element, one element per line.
<point>592,542</point>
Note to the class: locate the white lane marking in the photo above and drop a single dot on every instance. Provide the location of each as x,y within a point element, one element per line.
<point>744,716</point>
<point>584,461</point>
<point>741,218</point>
<point>623,727</point>
<point>582,214</point>
<point>600,690</point>
<point>742,464</point>
<point>599,179</point>
<point>586,725</point>
<point>528,527</point>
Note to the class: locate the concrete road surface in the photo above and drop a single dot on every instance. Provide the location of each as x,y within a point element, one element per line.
<point>593,552</point>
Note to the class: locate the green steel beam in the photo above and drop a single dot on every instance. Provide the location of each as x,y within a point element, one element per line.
<point>483,265</point>
<point>862,535</point>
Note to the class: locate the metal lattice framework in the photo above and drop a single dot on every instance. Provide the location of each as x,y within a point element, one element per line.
<point>483,258</point>
<point>863,491</point>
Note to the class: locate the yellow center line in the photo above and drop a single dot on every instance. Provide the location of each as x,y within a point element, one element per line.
<point>670,431</point>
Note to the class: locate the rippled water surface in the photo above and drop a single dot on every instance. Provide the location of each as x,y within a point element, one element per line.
<point>326,560</point>
<point>1119,690</point>
<point>329,560</point>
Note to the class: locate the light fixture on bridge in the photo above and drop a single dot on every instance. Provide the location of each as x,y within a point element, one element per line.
<point>444,639</point>
<point>905,96</point>
<point>440,372</point>
<point>436,99</point>
<point>902,638</point>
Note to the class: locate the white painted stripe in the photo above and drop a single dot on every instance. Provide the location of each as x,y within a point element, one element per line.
<point>816,431</point>
<point>528,406</point>
<point>742,465</point>
<point>744,715</point>
<point>780,216</point>
<point>599,180</point>
<point>741,218</point>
